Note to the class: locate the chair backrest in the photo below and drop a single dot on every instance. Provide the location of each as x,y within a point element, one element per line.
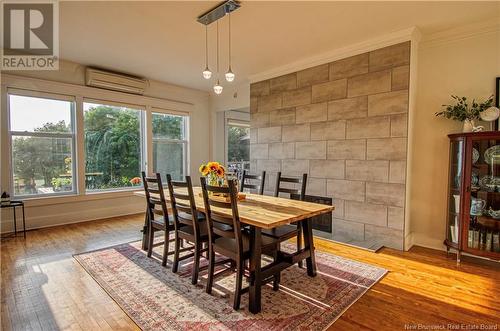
<point>301,181</point>
<point>246,179</point>
<point>222,199</point>
<point>183,204</point>
<point>155,197</point>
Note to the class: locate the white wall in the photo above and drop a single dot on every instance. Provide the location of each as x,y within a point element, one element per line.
<point>60,210</point>
<point>462,62</point>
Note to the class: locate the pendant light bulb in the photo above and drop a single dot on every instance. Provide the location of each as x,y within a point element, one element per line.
<point>207,73</point>
<point>218,88</point>
<point>229,75</point>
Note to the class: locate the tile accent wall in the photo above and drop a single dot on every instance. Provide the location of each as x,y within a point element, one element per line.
<point>345,124</point>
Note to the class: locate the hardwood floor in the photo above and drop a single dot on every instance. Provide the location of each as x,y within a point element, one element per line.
<point>44,288</point>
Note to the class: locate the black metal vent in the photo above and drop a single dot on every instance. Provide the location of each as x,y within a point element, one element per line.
<point>321,222</point>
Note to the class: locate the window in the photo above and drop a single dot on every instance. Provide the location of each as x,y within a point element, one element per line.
<point>42,134</point>
<point>113,146</point>
<point>238,145</point>
<point>170,141</point>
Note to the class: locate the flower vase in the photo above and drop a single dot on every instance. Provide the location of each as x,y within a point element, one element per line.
<point>468,126</point>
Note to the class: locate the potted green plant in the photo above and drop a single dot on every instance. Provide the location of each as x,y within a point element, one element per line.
<point>466,112</point>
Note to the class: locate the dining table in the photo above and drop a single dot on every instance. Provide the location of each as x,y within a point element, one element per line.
<point>265,212</point>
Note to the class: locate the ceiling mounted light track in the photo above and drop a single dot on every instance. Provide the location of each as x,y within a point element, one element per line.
<point>211,16</point>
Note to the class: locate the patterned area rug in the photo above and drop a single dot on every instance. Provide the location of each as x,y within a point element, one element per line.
<point>157,299</point>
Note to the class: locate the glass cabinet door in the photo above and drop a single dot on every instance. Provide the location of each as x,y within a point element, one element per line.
<point>456,180</point>
<point>483,226</point>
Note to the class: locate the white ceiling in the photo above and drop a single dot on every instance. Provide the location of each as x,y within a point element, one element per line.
<point>163,41</point>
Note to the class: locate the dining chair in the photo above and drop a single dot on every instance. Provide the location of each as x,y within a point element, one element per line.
<point>155,197</point>
<point>231,242</point>
<point>286,232</point>
<point>189,224</point>
<point>246,178</point>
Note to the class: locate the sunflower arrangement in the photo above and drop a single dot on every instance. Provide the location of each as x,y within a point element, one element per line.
<point>214,171</point>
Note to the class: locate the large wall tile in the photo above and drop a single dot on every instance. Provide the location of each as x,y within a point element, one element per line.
<point>351,66</point>
<point>300,132</point>
<point>391,238</point>
<point>338,212</point>
<point>388,103</point>
<point>401,78</point>
<point>314,75</point>
<point>373,171</point>
<point>366,213</point>
<point>269,166</point>
<point>283,83</point>
<point>254,104</point>
<point>281,151</point>
<point>315,112</point>
<point>253,136</point>
<point>269,135</point>
<point>259,151</point>
<point>386,193</point>
<point>399,125</point>
<point>391,56</point>
<point>285,116</point>
<point>328,130</point>
<point>346,109</point>
<point>370,127</point>
<point>259,89</point>
<point>371,83</point>
<point>269,102</point>
<point>316,186</point>
<point>297,97</point>
<point>346,149</point>
<point>348,230</point>
<point>346,189</point>
<point>386,149</point>
<point>259,120</point>
<point>314,150</point>
<point>396,218</point>
<point>332,90</point>
<point>294,167</point>
<point>328,169</point>
<point>397,172</point>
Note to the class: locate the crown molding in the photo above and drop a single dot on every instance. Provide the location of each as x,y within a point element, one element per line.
<point>410,34</point>
<point>461,32</point>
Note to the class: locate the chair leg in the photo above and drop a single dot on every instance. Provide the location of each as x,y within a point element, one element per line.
<point>196,263</point>
<point>299,244</point>
<point>211,263</point>
<point>151,236</point>
<point>240,268</point>
<point>165,248</point>
<point>175,265</point>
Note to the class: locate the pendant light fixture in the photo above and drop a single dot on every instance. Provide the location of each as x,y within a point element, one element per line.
<point>217,87</point>
<point>206,73</point>
<point>229,73</point>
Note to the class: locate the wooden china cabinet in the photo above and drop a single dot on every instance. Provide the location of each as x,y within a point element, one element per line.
<point>473,224</point>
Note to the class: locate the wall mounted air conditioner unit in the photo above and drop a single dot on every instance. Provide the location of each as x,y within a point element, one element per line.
<point>115,81</point>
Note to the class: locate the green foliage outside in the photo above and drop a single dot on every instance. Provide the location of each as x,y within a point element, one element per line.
<point>238,144</point>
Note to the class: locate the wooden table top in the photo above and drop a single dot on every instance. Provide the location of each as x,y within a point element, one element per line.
<point>263,211</point>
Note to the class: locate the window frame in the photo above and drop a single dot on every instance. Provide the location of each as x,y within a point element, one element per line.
<point>72,135</point>
<point>184,142</point>
<point>143,137</point>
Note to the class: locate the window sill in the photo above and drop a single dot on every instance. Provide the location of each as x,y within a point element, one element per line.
<point>89,196</point>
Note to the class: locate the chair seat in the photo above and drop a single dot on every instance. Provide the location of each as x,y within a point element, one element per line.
<point>160,222</point>
<point>190,230</point>
<point>229,244</point>
<point>281,233</point>
<point>184,215</point>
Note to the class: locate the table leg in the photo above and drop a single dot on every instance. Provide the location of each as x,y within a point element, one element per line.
<point>145,231</point>
<point>254,298</point>
<point>15,221</point>
<point>309,245</point>
<point>24,222</point>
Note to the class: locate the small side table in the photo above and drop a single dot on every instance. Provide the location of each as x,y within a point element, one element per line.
<point>13,204</point>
